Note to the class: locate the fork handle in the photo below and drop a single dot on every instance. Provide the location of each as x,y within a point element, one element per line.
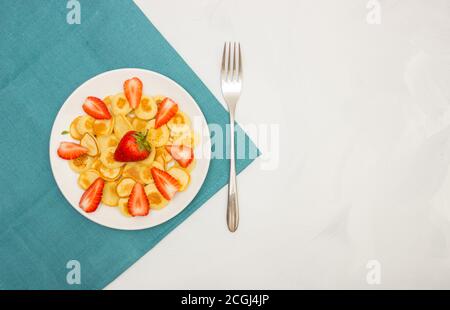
<point>232,208</point>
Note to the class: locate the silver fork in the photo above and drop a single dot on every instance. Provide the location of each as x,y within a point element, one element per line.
<point>231,76</point>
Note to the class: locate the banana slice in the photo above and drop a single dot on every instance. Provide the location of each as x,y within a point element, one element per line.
<point>86,178</point>
<point>139,124</point>
<point>120,105</point>
<point>125,186</point>
<point>147,108</point>
<point>110,174</point>
<point>157,137</point>
<point>81,163</point>
<point>123,206</point>
<point>110,197</point>
<point>179,120</point>
<point>103,126</point>
<point>157,201</point>
<point>181,176</point>
<point>107,158</point>
<point>85,125</point>
<point>121,126</point>
<point>89,142</point>
<point>73,129</point>
<point>145,174</point>
<point>158,165</point>
<point>107,141</point>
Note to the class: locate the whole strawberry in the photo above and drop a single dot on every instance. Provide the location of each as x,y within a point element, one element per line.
<point>132,147</point>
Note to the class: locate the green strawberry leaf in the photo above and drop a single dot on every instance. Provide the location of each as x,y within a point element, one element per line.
<point>141,140</point>
<point>64,132</point>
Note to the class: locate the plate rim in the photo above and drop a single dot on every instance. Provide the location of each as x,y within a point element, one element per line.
<point>206,134</point>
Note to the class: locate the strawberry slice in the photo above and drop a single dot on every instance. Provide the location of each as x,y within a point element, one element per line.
<point>166,110</point>
<point>183,154</point>
<point>96,108</point>
<point>166,184</point>
<point>138,204</point>
<point>92,196</point>
<point>133,91</point>
<point>70,150</point>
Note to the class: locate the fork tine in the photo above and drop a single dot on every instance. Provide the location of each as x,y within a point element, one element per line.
<point>229,71</point>
<point>240,62</point>
<point>234,73</point>
<point>224,59</point>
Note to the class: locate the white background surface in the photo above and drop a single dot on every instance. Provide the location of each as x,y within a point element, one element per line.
<point>364,148</point>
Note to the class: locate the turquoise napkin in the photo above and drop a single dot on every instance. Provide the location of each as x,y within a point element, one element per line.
<point>43,59</point>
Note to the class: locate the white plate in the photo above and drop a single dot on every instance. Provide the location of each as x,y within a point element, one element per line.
<point>110,83</point>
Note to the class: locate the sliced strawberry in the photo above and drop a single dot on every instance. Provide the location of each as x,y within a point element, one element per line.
<point>133,91</point>
<point>96,108</point>
<point>166,184</point>
<point>70,150</point>
<point>132,147</point>
<point>138,204</point>
<point>92,196</point>
<point>166,110</point>
<point>183,154</point>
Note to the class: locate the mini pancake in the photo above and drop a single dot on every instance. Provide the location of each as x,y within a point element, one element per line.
<point>85,125</point>
<point>110,197</point>
<point>131,170</point>
<point>110,174</point>
<point>157,136</point>
<point>158,165</point>
<point>103,126</point>
<point>181,176</point>
<point>147,108</point>
<point>96,164</point>
<point>121,126</point>
<point>125,186</point>
<point>139,124</point>
<point>179,121</point>
<point>120,105</point>
<point>162,152</point>
<point>86,178</point>
<point>107,141</point>
<point>89,142</point>
<point>157,201</point>
<point>122,205</point>
<point>158,99</point>
<point>73,129</point>
<point>107,158</point>
<point>82,163</point>
<point>182,138</point>
<point>145,174</point>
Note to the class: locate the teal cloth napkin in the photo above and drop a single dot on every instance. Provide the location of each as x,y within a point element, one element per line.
<point>43,59</point>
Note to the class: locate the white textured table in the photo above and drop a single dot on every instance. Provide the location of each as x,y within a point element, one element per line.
<point>361,192</point>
